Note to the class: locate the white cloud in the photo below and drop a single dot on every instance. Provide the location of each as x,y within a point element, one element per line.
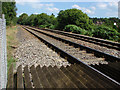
<point>102,5</point>
<point>109,5</point>
<point>36,13</point>
<point>86,10</point>
<point>53,10</point>
<point>76,6</point>
<point>67,0</point>
<point>39,6</point>
<point>111,8</point>
<point>18,1</point>
<point>93,8</point>
<point>49,8</point>
<point>114,4</point>
<point>22,2</point>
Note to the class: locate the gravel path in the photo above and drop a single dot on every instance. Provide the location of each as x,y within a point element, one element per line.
<point>33,52</point>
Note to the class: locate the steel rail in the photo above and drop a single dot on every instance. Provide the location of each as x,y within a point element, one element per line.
<point>94,40</point>
<point>88,49</point>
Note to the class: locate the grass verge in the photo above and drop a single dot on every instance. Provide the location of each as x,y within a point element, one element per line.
<point>12,42</point>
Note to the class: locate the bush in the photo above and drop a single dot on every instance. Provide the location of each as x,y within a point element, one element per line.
<point>52,27</point>
<point>90,33</point>
<point>74,29</point>
<point>106,33</point>
<point>42,26</point>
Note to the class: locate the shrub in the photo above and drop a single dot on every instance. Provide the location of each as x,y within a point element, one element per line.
<point>106,33</point>
<point>74,29</point>
<point>42,26</point>
<point>52,27</point>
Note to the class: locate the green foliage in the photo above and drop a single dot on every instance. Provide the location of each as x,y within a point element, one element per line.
<point>23,19</point>
<point>52,27</point>
<point>9,9</point>
<point>109,22</point>
<point>41,20</point>
<point>90,32</point>
<point>106,33</point>
<point>98,31</point>
<point>31,20</point>
<point>75,17</point>
<point>75,29</point>
<point>74,20</point>
<point>42,26</point>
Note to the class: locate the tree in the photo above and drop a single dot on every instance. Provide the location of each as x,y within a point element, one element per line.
<point>40,20</point>
<point>53,19</point>
<point>74,17</point>
<point>23,19</point>
<point>31,20</point>
<point>43,19</point>
<point>9,9</point>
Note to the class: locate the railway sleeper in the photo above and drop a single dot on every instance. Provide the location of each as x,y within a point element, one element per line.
<point>74,76</point>
<point>113,73</point>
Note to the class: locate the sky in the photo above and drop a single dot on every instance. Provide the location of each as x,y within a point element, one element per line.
<point>92,9</point>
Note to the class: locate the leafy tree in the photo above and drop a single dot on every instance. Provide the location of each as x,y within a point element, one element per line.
<point>46,20</point>
<point>39,20</point>
<point>31,20</point>
<point>53,19</point>
<point>9,9</point>
<point>43,19</point>
<point>75,17</point>
<point>23,18</point>
<point>109,22</point>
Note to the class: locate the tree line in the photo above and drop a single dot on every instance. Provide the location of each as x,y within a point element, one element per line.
<point>70,20</point>
<point>74,20</point>
<point>9,9</point>
<point>108,22</point>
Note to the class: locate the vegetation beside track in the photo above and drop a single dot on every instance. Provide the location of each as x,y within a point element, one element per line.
<point>9,9</point>
<point>11,45</point>
<point>74,20</point>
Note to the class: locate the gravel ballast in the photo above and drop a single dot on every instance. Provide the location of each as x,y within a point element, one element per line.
<point>104,49</point>
<point>32,51</point>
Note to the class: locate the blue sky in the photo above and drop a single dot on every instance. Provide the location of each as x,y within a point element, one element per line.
<point>93,9</point>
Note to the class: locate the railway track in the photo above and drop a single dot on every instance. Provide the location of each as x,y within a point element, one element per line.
<point>75,53</point>
<point>75,44</point>
<point>102,42</point>
<point>109,47</point>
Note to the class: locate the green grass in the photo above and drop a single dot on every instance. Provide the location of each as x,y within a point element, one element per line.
<point>11,60</point>
<point>11,41</point>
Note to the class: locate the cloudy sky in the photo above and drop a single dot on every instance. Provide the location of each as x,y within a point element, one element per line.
<point>93,9</point>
